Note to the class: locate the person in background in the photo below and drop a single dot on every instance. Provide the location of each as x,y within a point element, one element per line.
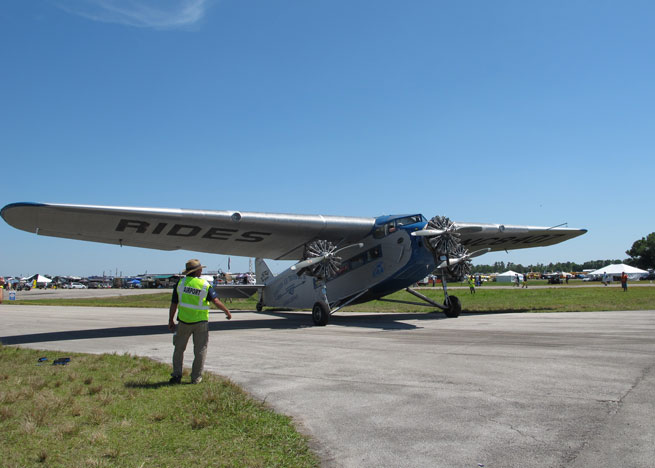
<point>471,282</point>
<point>624,281</point>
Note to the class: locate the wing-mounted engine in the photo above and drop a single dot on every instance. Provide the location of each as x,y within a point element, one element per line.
<point>458,262</point>
<point>321,261</point>
<point>443,240</point>
<point>451,258</point>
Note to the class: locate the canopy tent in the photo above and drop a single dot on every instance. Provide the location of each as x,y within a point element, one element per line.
<point>508,276</point>
<point>618,269</point>
<point>208,278</point>
<point>39,279</point>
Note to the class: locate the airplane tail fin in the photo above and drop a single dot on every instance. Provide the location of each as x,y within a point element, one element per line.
<point>262,272</point>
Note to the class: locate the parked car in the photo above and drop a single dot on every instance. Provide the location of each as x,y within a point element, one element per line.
<point>77,286</point>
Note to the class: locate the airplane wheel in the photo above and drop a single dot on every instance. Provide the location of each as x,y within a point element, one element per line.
<point>454,307</point>
<point>320,314</point>
<point>259,307</point>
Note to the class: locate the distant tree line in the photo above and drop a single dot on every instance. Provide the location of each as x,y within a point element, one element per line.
<point>499,267</point>
<point>642,255</point>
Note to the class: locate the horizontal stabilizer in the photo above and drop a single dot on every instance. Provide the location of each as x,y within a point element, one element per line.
<point>237,291</point>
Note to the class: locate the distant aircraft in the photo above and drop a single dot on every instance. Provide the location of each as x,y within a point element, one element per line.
<point>342,260</point>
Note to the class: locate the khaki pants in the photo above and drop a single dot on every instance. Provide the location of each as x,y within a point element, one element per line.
<point>200,332</point>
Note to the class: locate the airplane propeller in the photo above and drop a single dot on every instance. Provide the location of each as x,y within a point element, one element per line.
<point>443,240</point>
<point>322,259</point>
<point>442,235</point>
<point>427,232</point>
<point>460,264</point>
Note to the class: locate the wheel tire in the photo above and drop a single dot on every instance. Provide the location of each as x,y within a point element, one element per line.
<point>320,314</point>
<point>259,307</point>
<point>454,307</point>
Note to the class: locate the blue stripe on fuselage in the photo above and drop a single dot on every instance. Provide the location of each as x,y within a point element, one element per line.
<point>420,264</point>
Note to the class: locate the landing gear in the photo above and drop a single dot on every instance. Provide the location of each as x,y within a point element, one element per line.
<point>259,306</point>
<point>451,306</point>
<point>320,314</point>
<point>321,262</point>
<point>454,307</point>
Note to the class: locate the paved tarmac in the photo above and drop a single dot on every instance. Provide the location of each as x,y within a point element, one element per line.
<point>413,390</point>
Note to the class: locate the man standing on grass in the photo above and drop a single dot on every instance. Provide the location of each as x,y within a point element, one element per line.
<point>624,281</point>
<point>191,298</point>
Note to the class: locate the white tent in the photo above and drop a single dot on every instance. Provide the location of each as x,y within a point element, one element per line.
<point>508,277</point>
<point>39,279</point>
<point>208,278</point>
<point>617,269</point>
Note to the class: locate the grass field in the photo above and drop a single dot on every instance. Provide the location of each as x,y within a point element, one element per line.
<point>119,411</point>
<point>506,299</point>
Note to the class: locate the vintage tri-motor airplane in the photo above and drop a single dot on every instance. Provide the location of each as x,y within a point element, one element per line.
<point>341,260</point>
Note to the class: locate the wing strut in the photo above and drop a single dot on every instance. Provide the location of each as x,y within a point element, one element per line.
<point>349,301</point>
<point>428,302</point>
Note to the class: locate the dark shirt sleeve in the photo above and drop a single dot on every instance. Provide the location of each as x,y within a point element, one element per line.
<point>175,299</point>
<point>211,294</point>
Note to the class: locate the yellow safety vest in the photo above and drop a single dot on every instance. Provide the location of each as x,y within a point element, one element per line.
<point>193,305</point>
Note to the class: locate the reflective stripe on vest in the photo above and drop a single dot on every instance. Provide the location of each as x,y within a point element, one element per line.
<point>193,305</point>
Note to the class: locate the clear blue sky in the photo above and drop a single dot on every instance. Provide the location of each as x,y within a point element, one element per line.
<point>512,112</point>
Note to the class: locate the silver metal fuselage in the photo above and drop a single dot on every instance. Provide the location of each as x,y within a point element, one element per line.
<point>390,260</point>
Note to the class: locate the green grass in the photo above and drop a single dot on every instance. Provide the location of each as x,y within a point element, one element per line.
<point>118,411</point>
<point>555,299</point>
<point>155,300</point>
<point>527,300</point>
<point>138,300</point>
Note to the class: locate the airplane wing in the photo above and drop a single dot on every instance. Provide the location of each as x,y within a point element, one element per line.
<point>249,234</point>
<point>508,237</point>
<point>265,235</point>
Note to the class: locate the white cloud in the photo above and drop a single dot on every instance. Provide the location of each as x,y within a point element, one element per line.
<point>157,14</point>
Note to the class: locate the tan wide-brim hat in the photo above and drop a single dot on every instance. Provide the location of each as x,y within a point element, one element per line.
<point>192,265</point>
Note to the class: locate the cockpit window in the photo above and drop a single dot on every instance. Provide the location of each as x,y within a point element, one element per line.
<point>380,231</point>
<point>387,228</point>
<point>409,220</point>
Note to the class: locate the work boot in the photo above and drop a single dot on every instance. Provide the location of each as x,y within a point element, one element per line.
<point>176,379</point>
<point>197,380</point>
